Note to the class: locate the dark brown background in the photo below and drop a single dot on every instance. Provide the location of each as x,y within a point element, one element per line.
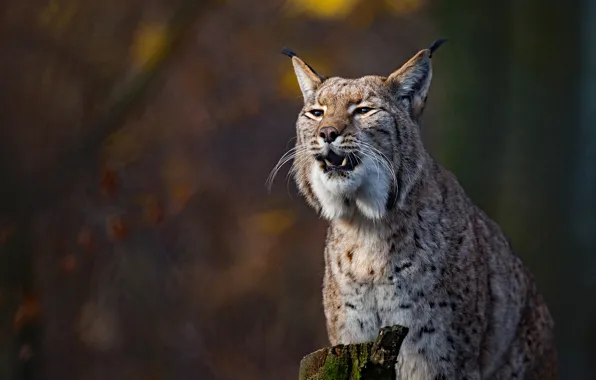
<point>137,239</point>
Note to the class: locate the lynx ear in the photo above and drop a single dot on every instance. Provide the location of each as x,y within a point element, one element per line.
<point>412,80</point>
<point>308,78</point>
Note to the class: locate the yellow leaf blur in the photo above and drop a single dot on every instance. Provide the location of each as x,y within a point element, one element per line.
<point>178,174</point>
<point>403,6</point>
<point>274,221</point>
<point>323,8</point>
<point>58,16</point>
<point>150,42</point>
<point>123,146</point>
<point>179,193</point>
<point>48,12</point>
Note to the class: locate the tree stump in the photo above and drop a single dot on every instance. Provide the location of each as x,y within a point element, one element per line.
<point>365,361</point>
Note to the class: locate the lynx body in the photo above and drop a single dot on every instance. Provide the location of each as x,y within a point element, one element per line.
<point>405,244</point>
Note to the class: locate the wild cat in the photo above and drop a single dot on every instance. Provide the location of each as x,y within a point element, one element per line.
<point>405,245</point>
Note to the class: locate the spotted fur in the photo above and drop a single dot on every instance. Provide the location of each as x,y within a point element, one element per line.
<point>406,245</point>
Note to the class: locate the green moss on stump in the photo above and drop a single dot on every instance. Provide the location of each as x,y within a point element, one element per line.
<point>366,361</point>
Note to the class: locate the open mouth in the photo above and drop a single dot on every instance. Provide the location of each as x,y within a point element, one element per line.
<point>334,162</point>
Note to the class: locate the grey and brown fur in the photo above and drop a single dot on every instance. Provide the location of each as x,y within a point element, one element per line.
<point>405,244</point>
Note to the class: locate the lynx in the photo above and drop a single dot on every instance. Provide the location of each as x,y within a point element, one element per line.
<point>405,245</point>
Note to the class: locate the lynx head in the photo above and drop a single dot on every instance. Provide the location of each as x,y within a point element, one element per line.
<point>358,150</point>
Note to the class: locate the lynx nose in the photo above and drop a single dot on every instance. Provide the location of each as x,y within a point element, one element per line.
<point>328,134</point>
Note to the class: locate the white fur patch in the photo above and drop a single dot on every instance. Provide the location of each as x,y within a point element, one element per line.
<point>365,190</point>
<point>332,192</point>
<point>371,199</point>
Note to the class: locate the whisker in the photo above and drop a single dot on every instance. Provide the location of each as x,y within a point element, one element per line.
<point>370,150</point>
<point>285,158</point>
<point>293,170</point>
<point>375,161</point>
<point>290,141</point>
<point>282,161</point>
<point>276,169</point>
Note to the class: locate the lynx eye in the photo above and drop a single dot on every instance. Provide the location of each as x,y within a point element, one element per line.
<point>362,110</point>
<point>316,112</point>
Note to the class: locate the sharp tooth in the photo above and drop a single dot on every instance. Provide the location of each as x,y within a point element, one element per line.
<point>345,161</point>
<point>328,163</point>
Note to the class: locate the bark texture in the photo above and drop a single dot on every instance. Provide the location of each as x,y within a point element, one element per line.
<point>365,361</point>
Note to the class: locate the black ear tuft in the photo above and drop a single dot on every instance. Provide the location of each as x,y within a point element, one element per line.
<point>291,54</point>
<point>435,45</point>
<point>288,52</point>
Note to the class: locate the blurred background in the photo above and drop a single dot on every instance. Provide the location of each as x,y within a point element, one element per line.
<point>137,238</point>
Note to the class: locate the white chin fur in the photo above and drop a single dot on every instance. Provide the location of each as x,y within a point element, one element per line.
<point>364,190</point>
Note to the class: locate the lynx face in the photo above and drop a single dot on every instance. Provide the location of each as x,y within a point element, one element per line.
<point>346,136</point>
<point>358,145</point>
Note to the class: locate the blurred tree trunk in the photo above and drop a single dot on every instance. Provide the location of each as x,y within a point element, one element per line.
<point>19,311</point>
<point>472,68</point>
<point>513,114</point>
<point>8,304</point>
<point>580,344</point>
<point>535,205</point>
